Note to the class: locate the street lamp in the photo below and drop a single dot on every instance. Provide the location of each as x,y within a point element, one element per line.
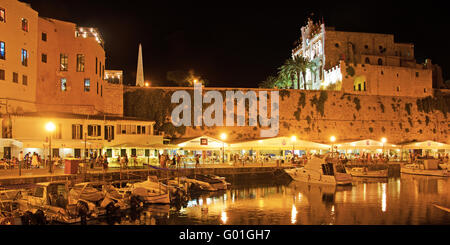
<point>50,127</point>
<point>293,139</point>
<point>223,137</point>
<point>147,84</point>
<point>332,139</point>
<point>383,140</point>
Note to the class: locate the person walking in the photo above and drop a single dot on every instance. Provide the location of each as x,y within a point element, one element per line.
<point>34,160</point>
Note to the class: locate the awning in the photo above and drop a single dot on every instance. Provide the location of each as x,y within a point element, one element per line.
<point>367,144</point>
<point>201,143</point>
<point>429,144</point>
<point>10,143</point>
<point>145,146</point>
<point>279,143</point>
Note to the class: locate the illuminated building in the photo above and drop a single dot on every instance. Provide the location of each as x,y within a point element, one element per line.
<point>362,63</point>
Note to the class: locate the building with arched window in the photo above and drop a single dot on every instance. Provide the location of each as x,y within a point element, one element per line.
<point>344,57</point>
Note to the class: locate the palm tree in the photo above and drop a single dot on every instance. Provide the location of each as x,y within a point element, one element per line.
<point>313,67</point>
<point>286,72</point>
<point>270,82</point>
<point>294,69</point>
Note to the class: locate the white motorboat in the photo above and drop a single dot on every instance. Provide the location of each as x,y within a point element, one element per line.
<point>321,170</point>
<point>364,172</point>
<point>422,169</point>
<point>207,182</point>
<point>148,191</point>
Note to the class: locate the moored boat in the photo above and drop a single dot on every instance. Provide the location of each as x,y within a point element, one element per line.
<point>321,170</point>
<point>419,169</point>
<point>365,172</point>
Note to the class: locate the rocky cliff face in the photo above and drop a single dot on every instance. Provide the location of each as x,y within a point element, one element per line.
<point>315,116</point>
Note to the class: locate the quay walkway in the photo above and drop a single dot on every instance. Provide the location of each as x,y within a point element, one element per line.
<point>10,177</point>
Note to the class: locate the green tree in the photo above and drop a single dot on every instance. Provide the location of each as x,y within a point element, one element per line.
<point>294,69</point>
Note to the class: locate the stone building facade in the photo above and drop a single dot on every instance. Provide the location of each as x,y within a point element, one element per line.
<point>63,69</point>
<point>363,63</point>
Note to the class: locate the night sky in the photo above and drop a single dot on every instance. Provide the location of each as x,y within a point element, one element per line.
<point>240,43</point>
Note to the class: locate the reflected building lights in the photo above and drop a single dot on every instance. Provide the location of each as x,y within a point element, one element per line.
<point>293,214</point>
<point>224,217</point>
<point>383,197</point>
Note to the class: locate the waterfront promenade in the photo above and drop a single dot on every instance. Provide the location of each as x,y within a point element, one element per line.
<point>28,176</point>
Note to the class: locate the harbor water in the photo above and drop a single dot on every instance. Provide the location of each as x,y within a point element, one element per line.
<point>403,200</point>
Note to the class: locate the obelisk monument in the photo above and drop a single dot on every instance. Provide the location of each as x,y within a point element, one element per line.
<point>140,69</point>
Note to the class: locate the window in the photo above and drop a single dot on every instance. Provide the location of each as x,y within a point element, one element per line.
<point>109,132</point>
<point>64,61</point>
<point>424,90</point>
<point>417,74</point>
<point>94,130</point>
<point>15,77</point>
<point>2,74</point>
<point>2,15</point>
<point>101,90</point>
<point>100,67</point>
<point>44,58</point>
<point>63,84</point>
<point>364,85</point>
<point>103,72</point>
<point>24,80</point>
<point>87,85</point>
<point>359,86</point>
<point>2,50</point>
<point>366,46</point>
<point>77,131</point>
<point>24,57</point>
<point>97,87</point>
<point>398,88</point>
<point>44,37</point>
<point>336,45</point>
<point>57,133</point>
<point>24,24</point>
<point>380,61</point>
<point>80,62</point>
<point>96,61</point>
<point>367,61</point>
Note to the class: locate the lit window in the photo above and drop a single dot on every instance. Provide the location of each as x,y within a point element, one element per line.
<point>24,24</point>
<point>15,77</point>
<point>24,80</point>
<point>44,58</point>
<point>80,62</point>
<point>44,37</point>
<point>24,57</point>
<point>64,61</point>
<point>2,50</point>
<point>2,15</point>
<point>87,85</point>
<point>63,84</point>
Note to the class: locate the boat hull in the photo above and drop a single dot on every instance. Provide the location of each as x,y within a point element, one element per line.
<point>368,174</point>
<point>440,173</point>
<point>303,175</point>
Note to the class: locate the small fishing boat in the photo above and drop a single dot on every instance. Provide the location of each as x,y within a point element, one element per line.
<point>365,172</point>
<point>50,201</point>
<point>424,168</point>
<point>10,214</point>
<point>321,170</point>
<point>147,191</point>
<point>206,182</point>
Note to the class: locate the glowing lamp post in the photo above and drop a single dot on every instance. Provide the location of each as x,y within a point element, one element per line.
<point>383,140</point>
<point>293,139</point>
<point>223,137</point>
<point>147,84</point>
<point>332,139</point>
<point>50,127</point>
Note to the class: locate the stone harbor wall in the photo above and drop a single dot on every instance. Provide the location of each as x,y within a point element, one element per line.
<point>313,115</point>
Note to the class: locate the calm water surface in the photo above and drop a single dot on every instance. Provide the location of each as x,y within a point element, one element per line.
<point>405,200</point>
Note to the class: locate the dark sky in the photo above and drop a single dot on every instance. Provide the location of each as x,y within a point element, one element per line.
<point>240,43</point>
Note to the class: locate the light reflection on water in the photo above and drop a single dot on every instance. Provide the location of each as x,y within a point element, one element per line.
<point>406,200</point>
